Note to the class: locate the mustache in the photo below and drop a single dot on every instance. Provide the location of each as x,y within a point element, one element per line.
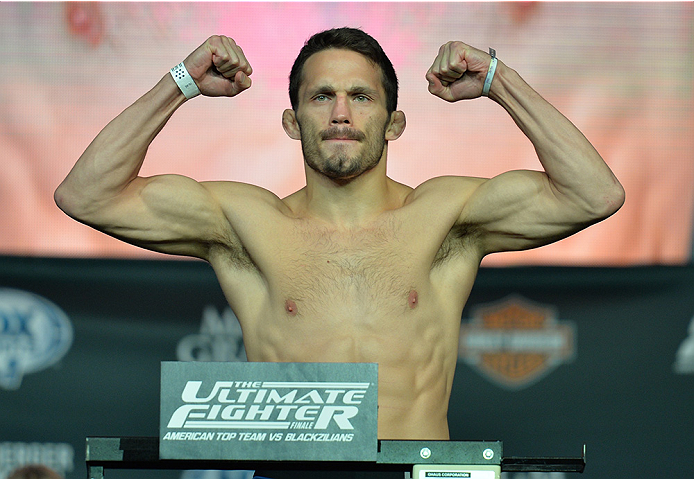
<point>345,133</point>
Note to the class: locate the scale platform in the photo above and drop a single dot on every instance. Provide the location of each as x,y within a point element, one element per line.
<point>393,455</point>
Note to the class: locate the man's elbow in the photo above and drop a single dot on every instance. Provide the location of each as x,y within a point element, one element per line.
<point>61,197</point>
<point>610,201</point>
<point>69,201</point>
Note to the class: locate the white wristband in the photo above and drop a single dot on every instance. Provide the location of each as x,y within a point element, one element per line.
<point>184,81</point>
<point>490,73</point>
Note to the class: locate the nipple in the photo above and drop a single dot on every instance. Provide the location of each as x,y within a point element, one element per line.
<point>413,299</point>
<point>290,307</point>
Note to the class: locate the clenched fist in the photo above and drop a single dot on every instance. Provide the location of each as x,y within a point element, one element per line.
<point>458,72</point>
<point>219,67</point>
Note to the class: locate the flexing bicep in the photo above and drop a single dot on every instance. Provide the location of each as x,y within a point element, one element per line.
<point>521,210</point>
<point>168,213</point>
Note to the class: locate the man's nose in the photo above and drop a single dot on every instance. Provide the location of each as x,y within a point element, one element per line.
<point>341,114</point>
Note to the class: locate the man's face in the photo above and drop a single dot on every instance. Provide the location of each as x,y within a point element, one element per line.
<point>342,114</point>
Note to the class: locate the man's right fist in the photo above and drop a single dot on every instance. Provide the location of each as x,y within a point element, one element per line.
<point>219,67</point>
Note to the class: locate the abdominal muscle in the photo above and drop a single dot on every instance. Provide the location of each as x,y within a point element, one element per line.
<point>415,354</point>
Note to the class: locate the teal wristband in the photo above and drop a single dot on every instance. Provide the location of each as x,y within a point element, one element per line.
<point>490,73</point>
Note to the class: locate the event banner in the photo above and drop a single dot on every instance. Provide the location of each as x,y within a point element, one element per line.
<point>269,411</point>
<point>549,359</point>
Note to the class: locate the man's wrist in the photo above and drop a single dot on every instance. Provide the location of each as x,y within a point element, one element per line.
<point>184,81</point>
<point>507,87</point>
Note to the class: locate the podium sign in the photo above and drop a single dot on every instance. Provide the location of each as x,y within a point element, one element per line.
<point>269,411</point>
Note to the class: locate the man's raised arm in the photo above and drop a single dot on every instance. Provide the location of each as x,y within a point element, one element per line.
<point>524,209</point>
<point>167,213</point>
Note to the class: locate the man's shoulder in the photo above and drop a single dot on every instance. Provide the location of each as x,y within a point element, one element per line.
<point>439,202</point>
<point>245,195</point>
<point>229,188</point>
<point>450,187</point>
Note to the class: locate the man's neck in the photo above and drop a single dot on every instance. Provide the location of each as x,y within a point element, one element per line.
<point>353,202</point>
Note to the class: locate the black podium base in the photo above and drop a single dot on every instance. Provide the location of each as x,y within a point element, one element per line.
<point>397,456</point>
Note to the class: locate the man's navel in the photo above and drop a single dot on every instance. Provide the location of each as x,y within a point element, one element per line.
<point>413,299</point>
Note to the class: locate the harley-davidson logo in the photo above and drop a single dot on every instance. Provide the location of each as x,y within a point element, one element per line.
<point>515,343</point>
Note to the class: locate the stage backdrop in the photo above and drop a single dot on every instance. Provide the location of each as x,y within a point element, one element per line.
<point>622,72</point>
<point>550,358</point>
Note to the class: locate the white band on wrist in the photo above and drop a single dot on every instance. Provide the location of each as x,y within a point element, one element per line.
<point>184,81</point>
<point>490,73</point>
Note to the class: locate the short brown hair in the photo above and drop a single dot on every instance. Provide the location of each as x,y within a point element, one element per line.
<point>348,39</point>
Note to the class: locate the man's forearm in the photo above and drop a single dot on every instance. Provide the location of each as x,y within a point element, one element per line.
<point>115,156</point>
<point>572,164</point>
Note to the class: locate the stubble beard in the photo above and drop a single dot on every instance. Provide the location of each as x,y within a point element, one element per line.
<point>339,165</point>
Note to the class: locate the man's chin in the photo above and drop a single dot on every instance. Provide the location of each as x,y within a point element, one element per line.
<point>341,175</point>
<point>338,170</point>
<point>339,166</point>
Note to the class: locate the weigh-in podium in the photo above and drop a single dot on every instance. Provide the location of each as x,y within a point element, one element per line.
<point>292,416</point>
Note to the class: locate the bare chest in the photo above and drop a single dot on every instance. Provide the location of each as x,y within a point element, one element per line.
<point>370,272</point>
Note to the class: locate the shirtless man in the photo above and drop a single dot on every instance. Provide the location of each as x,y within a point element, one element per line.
<point>354,267</point>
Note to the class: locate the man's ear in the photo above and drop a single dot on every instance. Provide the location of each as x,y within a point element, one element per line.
<point>396,126</point>
<point>290,125</point>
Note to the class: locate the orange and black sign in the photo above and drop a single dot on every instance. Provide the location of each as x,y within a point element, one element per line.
<point>514,342</point>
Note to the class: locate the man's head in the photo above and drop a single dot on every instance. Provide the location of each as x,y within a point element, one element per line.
<point>347,39</point>
<point>341,103</point>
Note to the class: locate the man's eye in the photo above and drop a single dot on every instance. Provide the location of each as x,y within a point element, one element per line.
<point>321,97</point>
<point>361,98</point>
